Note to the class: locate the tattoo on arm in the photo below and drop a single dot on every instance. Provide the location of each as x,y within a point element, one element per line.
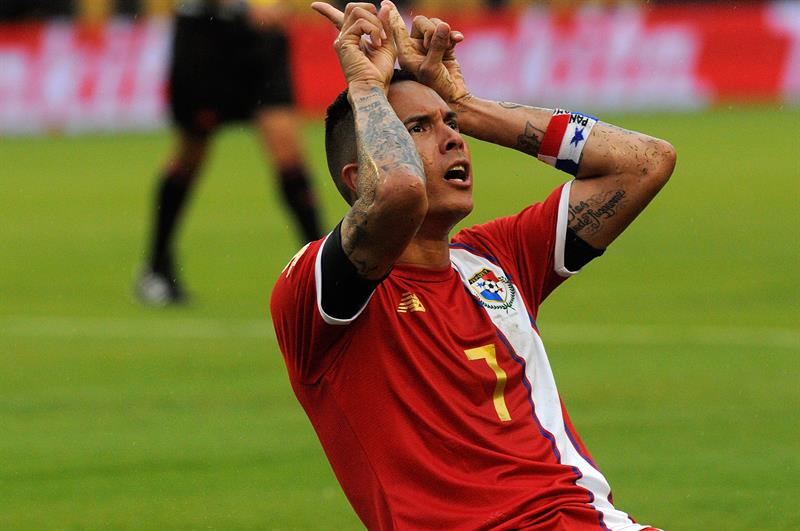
<point>384,146</point>
<point>530,140</point>
<point>356,234</point>
<point>512,105</point>
<point>383,141</point>
<point>587,217</point>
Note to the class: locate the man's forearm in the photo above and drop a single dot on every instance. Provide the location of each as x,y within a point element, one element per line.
<point>610,151</point>
<point>507,124</point>
<point>384,144</point>
<point>391,199</point>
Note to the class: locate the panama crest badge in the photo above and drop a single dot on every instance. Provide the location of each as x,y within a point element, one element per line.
<point>493,292</point>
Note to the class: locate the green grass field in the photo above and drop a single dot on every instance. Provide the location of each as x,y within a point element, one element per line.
<point>676,354</point>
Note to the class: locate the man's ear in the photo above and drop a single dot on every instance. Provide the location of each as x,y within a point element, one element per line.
<point>350,179</point>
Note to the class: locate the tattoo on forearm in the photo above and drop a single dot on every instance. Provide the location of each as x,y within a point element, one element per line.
<point>382,137</point>
<point>587,216</point>
<point>530,140</point>
<point>384,145</point>
<point>510,105</point>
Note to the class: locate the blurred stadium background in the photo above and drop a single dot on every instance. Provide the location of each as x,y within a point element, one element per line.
<point>677,353</point>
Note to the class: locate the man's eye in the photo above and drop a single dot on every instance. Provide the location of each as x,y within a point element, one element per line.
<point>415,129</point>
<point>453,124</point>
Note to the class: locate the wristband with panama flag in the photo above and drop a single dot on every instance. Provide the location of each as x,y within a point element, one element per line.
<point>564,140</point>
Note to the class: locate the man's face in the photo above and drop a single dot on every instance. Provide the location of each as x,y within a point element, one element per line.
<point>445,156</point>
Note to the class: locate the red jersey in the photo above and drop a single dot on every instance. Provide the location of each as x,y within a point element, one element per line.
<point>436,404</point>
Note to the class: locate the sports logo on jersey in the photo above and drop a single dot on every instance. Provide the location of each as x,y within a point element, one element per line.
<point>410,303</point>
<point>493,292</point>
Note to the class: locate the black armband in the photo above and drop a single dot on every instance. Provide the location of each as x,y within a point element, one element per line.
<point>578,253</point>
<point>344,291</point>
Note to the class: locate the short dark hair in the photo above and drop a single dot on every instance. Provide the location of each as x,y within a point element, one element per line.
<point>340,135</point>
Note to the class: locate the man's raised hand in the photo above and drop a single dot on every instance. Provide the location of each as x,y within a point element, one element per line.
<point>429,52</point>
<point>365,48</point>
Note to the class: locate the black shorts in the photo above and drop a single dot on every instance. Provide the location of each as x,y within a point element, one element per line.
<point>224,70</point>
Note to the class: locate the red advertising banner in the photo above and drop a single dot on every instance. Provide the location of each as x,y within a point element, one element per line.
<point>57,76</point>
<point>629,57</point>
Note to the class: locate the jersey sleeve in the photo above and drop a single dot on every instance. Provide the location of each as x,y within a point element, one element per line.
<point>309,339</point>
<point>529,245</point>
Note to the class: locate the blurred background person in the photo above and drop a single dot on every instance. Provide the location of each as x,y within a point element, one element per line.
<point>12,10</point>
<point>230,62</point>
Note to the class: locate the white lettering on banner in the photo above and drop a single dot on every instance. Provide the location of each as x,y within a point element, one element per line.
<point>111,81</point>
<point>606,60</point>
<point>785,18</point>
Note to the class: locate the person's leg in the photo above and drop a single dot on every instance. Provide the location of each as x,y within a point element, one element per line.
<point>173,190</point>
<point>159,283</point>
<point>280,133</point>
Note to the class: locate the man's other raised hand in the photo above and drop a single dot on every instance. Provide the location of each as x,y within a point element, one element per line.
<point>429,52</point>
<point>365,48</point>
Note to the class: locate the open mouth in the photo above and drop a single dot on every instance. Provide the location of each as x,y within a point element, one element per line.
<point>457,173</point>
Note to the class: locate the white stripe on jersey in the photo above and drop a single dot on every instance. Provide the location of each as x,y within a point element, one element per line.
<point>318,283</point>
<point>515,325</point>
<point>561,232</point>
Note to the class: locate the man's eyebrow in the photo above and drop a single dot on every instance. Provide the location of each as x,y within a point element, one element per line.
<point>423,118</point>
<point>417,118</point>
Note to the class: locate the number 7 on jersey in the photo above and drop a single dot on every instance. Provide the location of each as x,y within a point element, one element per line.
<point>488,353</point>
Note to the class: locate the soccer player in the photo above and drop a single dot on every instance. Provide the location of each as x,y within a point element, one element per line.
<point>416,357</point>
<point>230,61</point>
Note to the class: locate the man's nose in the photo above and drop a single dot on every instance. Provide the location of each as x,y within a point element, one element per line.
<point>451,140</point>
